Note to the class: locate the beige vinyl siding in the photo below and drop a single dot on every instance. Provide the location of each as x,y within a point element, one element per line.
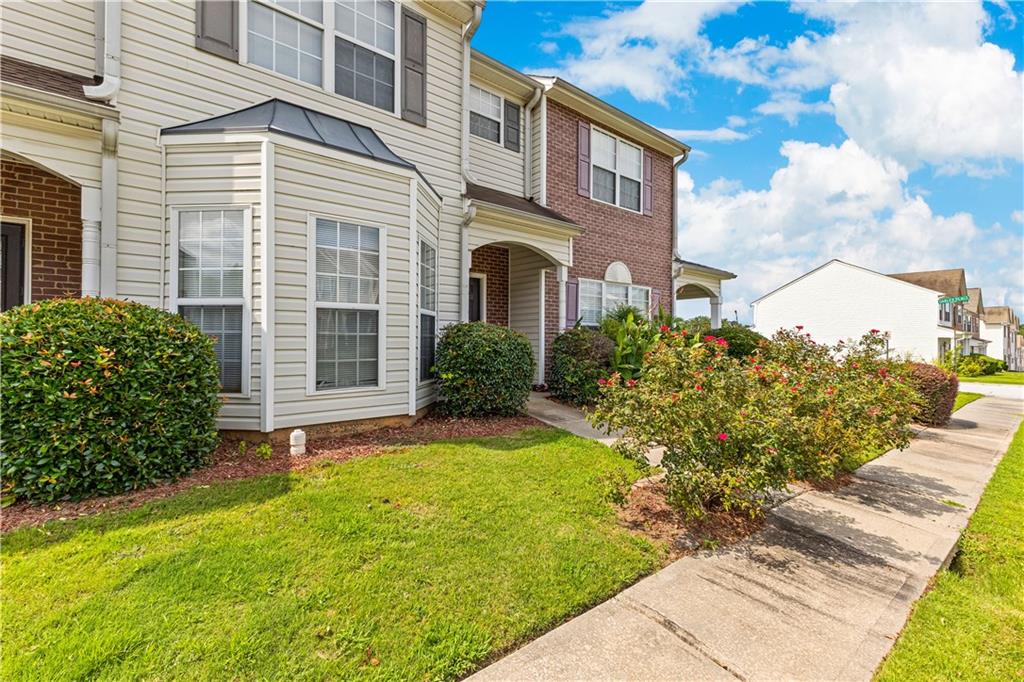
<point>167,81</point>
<point>307,183</point>
<point>486,230</point>
<point>536,135</point>
<point>427,221</point>
<point>69,150</point>
<point>223,175</point>
<point>490,163</point>
<point>525,269</point>
<point>54,33</point>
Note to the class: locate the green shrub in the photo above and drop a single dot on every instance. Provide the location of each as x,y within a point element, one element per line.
<point>101,396</point>
<point>579,357</point>
<point>743,341</point>
<point>634,338</point>
<point>735,428</point>
<point>483,369</point>
<point>979,365</point>
<point>936,392</point>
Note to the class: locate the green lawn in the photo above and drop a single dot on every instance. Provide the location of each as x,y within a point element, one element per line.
<point>971,625</point>
<point>964,398</point>
<point>418,564</point>
<point>998,378</point>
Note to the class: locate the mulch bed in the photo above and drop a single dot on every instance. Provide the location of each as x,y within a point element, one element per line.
<point>648,513</point>
<point>228,464</point>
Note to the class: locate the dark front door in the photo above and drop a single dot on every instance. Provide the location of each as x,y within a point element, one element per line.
<point>474,299</point>
<point>12,265</point>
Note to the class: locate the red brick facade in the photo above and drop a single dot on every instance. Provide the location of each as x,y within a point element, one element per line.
<point>54,207</point>
<point>643,243</point>
<point>492,261</point>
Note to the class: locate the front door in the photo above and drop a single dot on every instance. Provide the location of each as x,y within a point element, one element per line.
<point>475,300</point>
<point>12,265</point>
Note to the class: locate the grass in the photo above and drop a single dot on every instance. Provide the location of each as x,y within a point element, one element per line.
<point>965,398</point>
<point>971,624</point>
<point>419,564</point>
<point>1016,378</point>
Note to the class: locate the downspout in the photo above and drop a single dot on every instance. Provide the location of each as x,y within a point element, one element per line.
<point>107,90</point>
<point>528,171</point>
<point>470,211</point>
<point>675,225</point>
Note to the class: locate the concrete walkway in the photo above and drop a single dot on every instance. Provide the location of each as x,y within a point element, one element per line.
<point>820,594</point>
<point>1011,391</point>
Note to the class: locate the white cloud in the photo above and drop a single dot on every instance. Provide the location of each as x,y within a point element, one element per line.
<point>637,49</point>
<point>548,46</point>
<point>1017,216</point>
<point>735,121</point>
<point>790,107</point>
<point>914,81</point>
<point>829,202</point>
<point>720,134</point>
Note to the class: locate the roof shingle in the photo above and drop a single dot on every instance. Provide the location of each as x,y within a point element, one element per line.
<point>55,81</point>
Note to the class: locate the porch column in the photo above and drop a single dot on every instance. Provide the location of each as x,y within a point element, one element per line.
<point>91,222</point>
<point>716,312</point>
<point>563,273</point>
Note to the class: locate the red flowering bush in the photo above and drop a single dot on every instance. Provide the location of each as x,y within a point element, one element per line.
<point>936,392</point>
<point>736,428</point>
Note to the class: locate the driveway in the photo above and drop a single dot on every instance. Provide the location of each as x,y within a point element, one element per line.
<point>821,593</point>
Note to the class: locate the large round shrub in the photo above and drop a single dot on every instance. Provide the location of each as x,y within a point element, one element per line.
<point>936,392</point>
<point>100,396</point>
<point>483,369</point>
<point>579,357</point>
<point>742,341</point>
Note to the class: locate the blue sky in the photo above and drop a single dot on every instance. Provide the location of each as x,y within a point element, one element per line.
<point>885,134</point>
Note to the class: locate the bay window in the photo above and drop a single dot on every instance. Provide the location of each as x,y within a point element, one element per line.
<point>347,272</point>
<point>211,283</point>
<point>428,309</point>
<point>616,170</point>
<point>598,298</point>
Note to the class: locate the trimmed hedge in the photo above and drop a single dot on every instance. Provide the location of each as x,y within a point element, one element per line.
<point>483,369</point>
<point>743,341</point>
<point>579,357</point>
<point>936,391</point>
<point>979,365</point>
<point>99,397</point>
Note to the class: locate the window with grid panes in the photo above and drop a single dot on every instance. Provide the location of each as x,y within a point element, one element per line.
<point>428,309</point>
<point>365,50</point>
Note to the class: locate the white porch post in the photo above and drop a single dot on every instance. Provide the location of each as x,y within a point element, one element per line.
<point>716,312</point>
<point>91,210</point>
<point>562,273</point>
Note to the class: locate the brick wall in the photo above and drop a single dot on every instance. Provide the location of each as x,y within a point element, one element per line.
<point>492,261</point>
<point>53,205</point>
<point>643,243</point>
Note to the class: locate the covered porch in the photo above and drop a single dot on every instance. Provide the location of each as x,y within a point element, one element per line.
<point>512,246</point>
<point>694,281</point>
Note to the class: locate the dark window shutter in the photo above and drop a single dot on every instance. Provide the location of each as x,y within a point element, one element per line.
<point>512,126</point>
<point>414,67</point>
<point>572,303</point>
<point>655,301</point>
<point>217,28</point>
<point>648,183</point>
<point>583,165</point>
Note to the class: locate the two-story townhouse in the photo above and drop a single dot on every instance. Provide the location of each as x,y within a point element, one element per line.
<point>1001,326</point>
<point>974,310</point>
<point>321,186</point>
<point>952,283</point>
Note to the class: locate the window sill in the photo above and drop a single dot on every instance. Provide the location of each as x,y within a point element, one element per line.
<point>622,208</point>
<point>355,391</point>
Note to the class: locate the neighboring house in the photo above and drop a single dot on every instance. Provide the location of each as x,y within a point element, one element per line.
<point>1002,327</point>
<point>322,187</point>
<point>974,311</point>
<point>839,301</point>
<point>952,327</point>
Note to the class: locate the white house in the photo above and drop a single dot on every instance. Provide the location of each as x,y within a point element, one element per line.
<point>839,301</point>
<point>999,324</point>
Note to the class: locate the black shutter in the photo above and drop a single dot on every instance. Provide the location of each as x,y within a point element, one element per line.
<point>414,67</point>
<point>217,27</point>
<point>512,127</point>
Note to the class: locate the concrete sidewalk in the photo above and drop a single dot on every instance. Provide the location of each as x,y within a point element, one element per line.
<point>1011,391</point>
<point>820,594</point>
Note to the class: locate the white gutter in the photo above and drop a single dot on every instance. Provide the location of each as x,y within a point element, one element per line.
<point>470,212</point>
<point>528,171</point>
<point>111,85</point>
<point>675,206</point>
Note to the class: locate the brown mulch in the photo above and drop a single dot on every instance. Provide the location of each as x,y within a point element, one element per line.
<point>228,464</point>
<point>648,513</point>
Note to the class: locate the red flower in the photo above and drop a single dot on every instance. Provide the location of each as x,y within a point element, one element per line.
<point>723,437</point>
<point>873,331</point>
<point>602,382</point>
<point>664,328</point>
<point>758,367</point>
<point>631,382</point>
<point>709,338</point>
<point>698,387</point>
<point>684,332</point>
<point>721,342</point>
<point>799,327</point>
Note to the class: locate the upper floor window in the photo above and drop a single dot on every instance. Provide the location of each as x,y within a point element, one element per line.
<point>287,37</point>
<point>616,170</point>
<point>485,114</point>
<point>364,51</point>
<point>946,312</point>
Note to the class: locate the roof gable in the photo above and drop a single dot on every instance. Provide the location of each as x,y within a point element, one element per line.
<point>951,282</point>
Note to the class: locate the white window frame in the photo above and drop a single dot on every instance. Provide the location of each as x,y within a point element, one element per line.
<point>604,295</point>
<point>175,301</point>
<point>501,115</point>
<point>327,50</point>
<point>619,142</point>
<point>424,311</point>
<point>312,304</point>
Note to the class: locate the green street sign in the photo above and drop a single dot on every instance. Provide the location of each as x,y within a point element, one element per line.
<point>954,299</point>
